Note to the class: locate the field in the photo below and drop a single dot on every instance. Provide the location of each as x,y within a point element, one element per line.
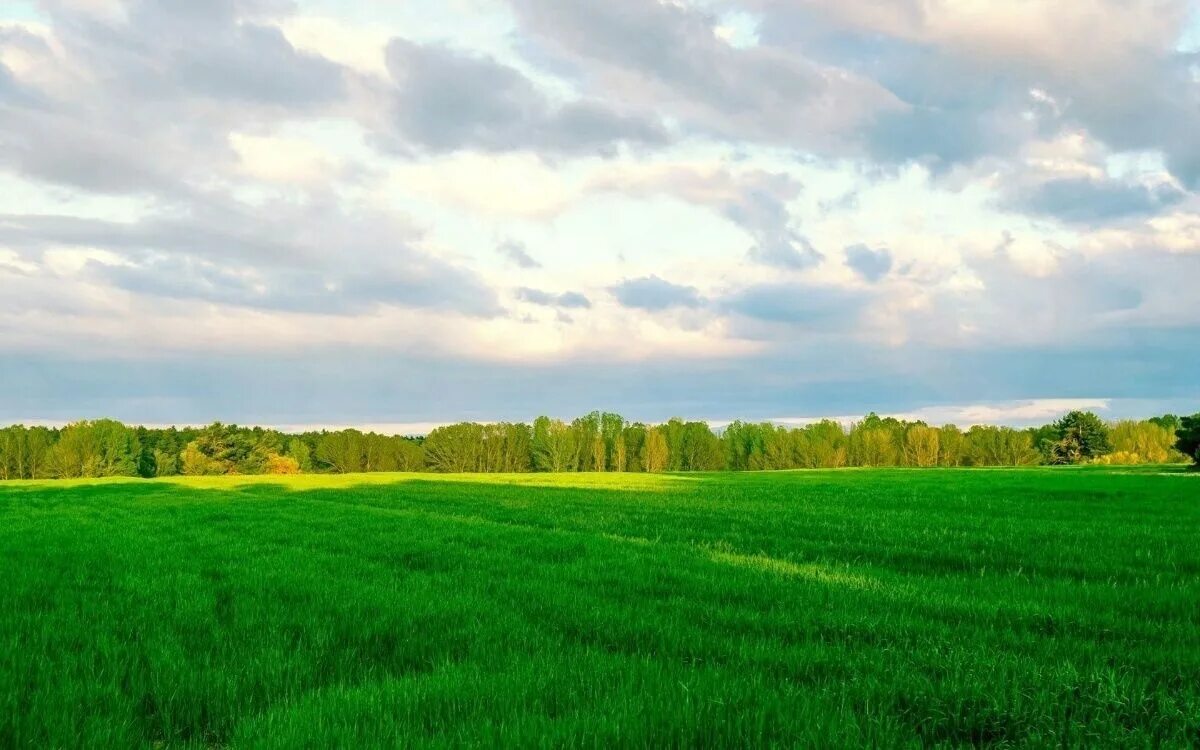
<point>838,608</point>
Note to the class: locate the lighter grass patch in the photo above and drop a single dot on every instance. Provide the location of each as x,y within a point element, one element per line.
<point>787,569</point>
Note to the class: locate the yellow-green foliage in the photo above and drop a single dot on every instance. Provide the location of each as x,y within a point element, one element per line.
<point>1141,442</point>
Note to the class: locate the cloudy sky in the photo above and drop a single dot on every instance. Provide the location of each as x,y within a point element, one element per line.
<point>324,212</point>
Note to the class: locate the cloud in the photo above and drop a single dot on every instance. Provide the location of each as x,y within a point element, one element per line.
<point>788,250</point>
<point>254,64</point>
<point>185,183</point>
<point>755,200</point>
<point>667,58</point>
<point>312,256</point>
<point>428,285</point>
<point>1090,201</point>
<point>655,294</point>
<point>565,299</point>
<point>1031,412</point>
<point>871,265</point>
<point>374,386</point>
<point>962,73</point>
<point>516,254</point>
<point>445,100</point>
<point>808,305</point>
<point>144,101</point>
<point>943,137</point>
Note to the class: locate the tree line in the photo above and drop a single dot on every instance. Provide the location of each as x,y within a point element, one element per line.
<point>599,441</point>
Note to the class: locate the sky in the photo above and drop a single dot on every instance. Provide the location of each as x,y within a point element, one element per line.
<point>397,215</point>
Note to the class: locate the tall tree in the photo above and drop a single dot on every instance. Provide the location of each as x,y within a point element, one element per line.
<point>99,448</point>
<point>950,446</point>
<point>1081,436</point>
<point>612,427</point>
<point>620,457</point>
<point>1188,437</point>
<point>986,445</point>
<point>456,448</point>
<point>921,444</point>
<point>635,441</point>
<point>1142,442</point>
<point>555,446</point>
<point>587,429</point>
<point>825,445</point>
<point>655,451</point>
<point>341,452</point>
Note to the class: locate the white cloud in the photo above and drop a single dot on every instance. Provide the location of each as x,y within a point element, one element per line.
<point>1024,412</point>
<point>282,159</point>
<point>356,46</point>
<point>521,186</point>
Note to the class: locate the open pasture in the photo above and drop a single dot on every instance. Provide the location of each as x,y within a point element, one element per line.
<point>830,608</point>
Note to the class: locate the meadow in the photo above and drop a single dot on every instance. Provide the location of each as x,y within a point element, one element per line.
<point>889,607</point>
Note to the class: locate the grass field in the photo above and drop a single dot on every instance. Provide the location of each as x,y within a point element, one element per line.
<point>842,608</point>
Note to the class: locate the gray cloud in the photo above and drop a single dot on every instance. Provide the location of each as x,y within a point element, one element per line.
<point>257,64</point>
<point>655,294</point>
<point>1158,108</point>
<point>549,299</point>
<point>664,57</point>
<point>311,257</point>
<point>755,200</point>
<point>518,255</point>
<point>786,249</point>
<point>962,100</point>
<point>797,304</point>
<point>146,102</point>
<point>446,100</point>
<point>761,208</point>
<point>1155,369</point>
<point>1092,201</point>
<point>871,265</point>
<point>428,285</point>
<point>944,137</point>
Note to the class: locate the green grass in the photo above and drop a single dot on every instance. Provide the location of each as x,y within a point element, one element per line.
<point>843,608</point>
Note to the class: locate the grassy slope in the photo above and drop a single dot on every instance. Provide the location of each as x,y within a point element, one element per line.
<point>883,607</point>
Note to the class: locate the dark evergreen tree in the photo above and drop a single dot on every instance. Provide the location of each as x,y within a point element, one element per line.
<point>1081,436</point>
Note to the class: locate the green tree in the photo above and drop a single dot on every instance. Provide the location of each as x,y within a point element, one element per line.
<point>612,428</point>
<point>195,462</point>
<point>165,464</point>
<point>743,445</point>
<point>1081,436</point>
<point>554,445</point>
<point>950,445</point>
<point>825,445</point>
<point>635,442</point>
<point>456,448</point>
<point>691,446</point>
<point>655,450</point>
<point>986,445</point>
<point>1142,442</point>
<point>620,460</point>
<point>1188,437</point>
<point>587,430</point>
<point>99,448</point>
<point>228,449</point>
<point>921,445</point>
<point>298,449</point>
<point>1167,421</point>
<point>24,452</point>
<point>342,452</point>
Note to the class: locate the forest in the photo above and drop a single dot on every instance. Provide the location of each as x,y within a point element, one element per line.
<point>599,441</point>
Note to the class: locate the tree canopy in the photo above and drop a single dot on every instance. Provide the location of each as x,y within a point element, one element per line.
<point>597,441</point>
